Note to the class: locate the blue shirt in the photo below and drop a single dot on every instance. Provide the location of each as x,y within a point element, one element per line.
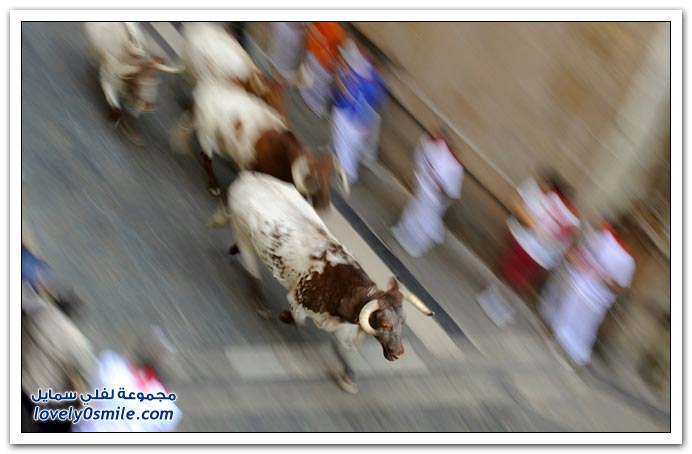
<point>367,95</point>
<point>32,267</point>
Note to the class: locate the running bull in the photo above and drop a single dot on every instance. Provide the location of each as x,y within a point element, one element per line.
<point>127,71</point>
<point>211,53</point>
<point>243,129</point>
<point>271,221</point>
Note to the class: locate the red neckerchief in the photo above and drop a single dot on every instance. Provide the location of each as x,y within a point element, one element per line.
<point>566,230</point>
<point>566,202</point>
<point>449,148</point>
<point>144,376</point>
<point>609,228</point>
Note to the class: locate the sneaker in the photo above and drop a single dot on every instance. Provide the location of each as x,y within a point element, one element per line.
<point>494,306</point>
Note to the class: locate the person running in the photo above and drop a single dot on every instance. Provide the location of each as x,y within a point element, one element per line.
<point>359,96</point>
<point>543,226</point>
<point>322,43</point>
<point>439,177</point>
<point>575,301</point>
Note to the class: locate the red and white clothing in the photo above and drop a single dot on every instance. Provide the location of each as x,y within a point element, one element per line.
<point>532,252</point>
<point>439,177</point>
<point>116,373</point>
<point>577,299</point>
<point>556,225</point>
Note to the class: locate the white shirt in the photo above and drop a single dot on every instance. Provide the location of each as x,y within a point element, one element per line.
<point>437,166</point>
<point>554,220</point>
<point>604,260</point>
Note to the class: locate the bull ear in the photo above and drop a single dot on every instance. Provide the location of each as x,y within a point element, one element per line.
<point>393,284</point>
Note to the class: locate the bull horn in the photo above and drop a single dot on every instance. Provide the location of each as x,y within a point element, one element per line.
<point>413,299</point>
<point>364,317</point>
<point>169,69</point>
<point>302,79</point>
<point>257,85</point>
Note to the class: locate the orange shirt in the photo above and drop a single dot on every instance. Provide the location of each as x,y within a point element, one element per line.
<point>323,40</point>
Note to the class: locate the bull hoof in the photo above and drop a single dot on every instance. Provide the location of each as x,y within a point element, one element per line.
<point>216,192</point>
<point>345,383</point>
<point>133,135</point>
<point>264,313</point>
<point>136,139</point>
<point>114,117</point>
<point>286,317</point>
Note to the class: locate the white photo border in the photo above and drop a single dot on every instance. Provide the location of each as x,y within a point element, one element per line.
<point>673,16</point>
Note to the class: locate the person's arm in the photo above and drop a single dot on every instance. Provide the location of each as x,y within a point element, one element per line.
<point>614,287</point>
<point>521,213</point>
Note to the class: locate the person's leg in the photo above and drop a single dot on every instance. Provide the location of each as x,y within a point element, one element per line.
<point>316,85</point>
<point>576,326</point>
<point>370,149</point>
<point>410,231</point>
<point>345,139</point>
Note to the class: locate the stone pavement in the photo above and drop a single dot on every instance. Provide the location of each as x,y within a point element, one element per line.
<point>129,225</point>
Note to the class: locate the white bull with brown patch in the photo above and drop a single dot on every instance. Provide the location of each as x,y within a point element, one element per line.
<point>271,221</point>
<point>241,128</point>
<point>211,53</point>
<point>127,70</point>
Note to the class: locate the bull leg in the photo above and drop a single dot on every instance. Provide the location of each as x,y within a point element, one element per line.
<point>208,146</point>
<point>114,116</point>
<point>251,265</point>
<point>132,133</point>
<point>292,316</point>
<point>110,90</point>
<point>212,183</point>
<point>259,299</point>
<point>346,377</point>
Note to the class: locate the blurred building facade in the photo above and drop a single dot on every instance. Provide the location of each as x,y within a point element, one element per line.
<point>591,100</point>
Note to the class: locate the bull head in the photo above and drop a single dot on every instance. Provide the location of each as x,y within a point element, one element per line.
<point>383,317</point>
<point>142,84</point>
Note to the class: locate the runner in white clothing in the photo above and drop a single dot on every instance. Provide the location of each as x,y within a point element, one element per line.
<point>439,177</point>
<point>286,47</point>
<point>576,300</point>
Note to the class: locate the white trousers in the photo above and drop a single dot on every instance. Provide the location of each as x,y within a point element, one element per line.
<point>285,46</point>
<point>316,88</point>
<point>574,319</point>
<point>420,227</point>
<point>353,142</point>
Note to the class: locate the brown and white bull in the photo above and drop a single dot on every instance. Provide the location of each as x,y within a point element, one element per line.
<point>127,71</point>
<point>271,221</point>
<point>243,129</point>
<point>211,53</point>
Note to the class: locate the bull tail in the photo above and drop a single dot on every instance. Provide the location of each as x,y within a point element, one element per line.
<point>180,136</point>
<point>220,218</point>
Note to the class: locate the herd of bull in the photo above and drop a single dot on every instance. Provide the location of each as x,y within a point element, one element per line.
<point>237,113</point>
